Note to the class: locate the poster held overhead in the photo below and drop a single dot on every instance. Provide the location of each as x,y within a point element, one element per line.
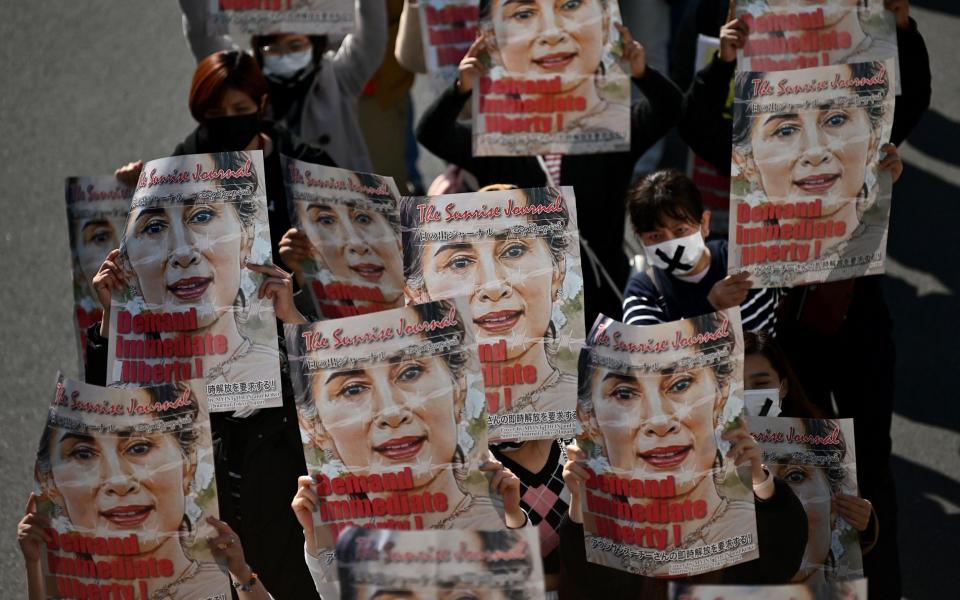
<point>126,477</point>
<point>661,500</point>
<point>448,28</point>
<point>262,17</point>
<point>511,258</point>
<point>190,307</point>
<point>96,212</point>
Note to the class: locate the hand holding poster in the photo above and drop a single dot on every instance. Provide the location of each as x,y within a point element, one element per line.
<point>448,28</point>
<point>816,457</point>
<point>554,82</point>
<point>126,478</point>
<point>260,17</point>
<point>800,34</point>
<point>808,201</point>
<point>189,309</point>
<point>353,224</point>
<point>662,499</point>
<point>393,422</point>
<point>512,260</point>
<point>855,589</point>
<point>96,211</point>
<point>430,565</point>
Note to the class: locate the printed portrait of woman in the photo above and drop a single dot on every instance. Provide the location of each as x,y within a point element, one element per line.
<point>189,249</point>
<point>520,278</point>
<point>357,241</point>
<point>497,565</point>
<point>575,40</point>
<point>811,146</point>
<point>410,407</point>
<point>651,422</point>
<point>817,472</point>
<point>866,30</point>
<point>114,474</point>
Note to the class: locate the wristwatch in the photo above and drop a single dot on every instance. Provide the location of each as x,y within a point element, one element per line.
<point>248,586</point>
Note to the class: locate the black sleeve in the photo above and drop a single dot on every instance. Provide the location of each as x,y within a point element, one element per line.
<point>583,579</point>
<point>95,369</point>
<point>915,81</point>
<point>781,538</point>
<point>656,114</point>
<point>706,127</point>
<point>441,133</point>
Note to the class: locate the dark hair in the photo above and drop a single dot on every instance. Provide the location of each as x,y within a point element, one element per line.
<point>219,72</point>
<point>557,241</point>
<point>743,84</point>
<point>665,193</point>
<point>317,42</point>
<point>795,403</point>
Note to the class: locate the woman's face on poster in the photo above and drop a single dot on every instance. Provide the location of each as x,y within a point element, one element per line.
<point>658,424</point>
<point>358,245</point>
<point>511,282</point>
<point>810,484</point>
<point>95,238</point>
<point>391,415</point>
<point>188,254</point>
<point>117,484</point>
<point>821,152</point>
<point>546,38</point>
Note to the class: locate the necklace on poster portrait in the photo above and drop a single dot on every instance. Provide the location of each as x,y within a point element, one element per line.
<point>168,591</point>
<point>223,368</point>
<point>461,508</point>
<point>530,397</point>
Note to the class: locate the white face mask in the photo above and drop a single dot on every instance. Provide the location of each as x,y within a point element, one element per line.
<point>285,66</point>
<point>677,256</point>
<point>762,403</point>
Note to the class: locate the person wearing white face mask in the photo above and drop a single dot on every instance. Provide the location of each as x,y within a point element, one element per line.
<point>685,276</point>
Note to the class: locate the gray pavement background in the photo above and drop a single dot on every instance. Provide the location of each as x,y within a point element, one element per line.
<point>87,86</point>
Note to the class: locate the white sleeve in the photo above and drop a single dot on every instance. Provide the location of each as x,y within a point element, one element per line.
<point>195,30</point>
<point>362,51</point>
<point>323,569</point>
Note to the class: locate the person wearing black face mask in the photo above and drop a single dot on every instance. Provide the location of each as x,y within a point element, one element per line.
<point>312,92</point>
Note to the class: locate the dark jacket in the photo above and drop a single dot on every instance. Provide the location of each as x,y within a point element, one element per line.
<point>284,142</point>
<point>267,450</point>
<point>600,181</point>
<point>708,131</point>
<point>781,538</point>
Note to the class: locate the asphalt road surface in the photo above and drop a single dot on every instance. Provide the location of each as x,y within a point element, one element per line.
<point>88,86</point>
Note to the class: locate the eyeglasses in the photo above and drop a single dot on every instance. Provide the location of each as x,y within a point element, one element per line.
<point>285,47</point>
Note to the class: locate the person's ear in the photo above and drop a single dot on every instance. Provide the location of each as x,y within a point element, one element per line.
<point>747,166</point>
<point>415,295</point>
<point>559,274</point>
<point>246,246</point>
<point>873,148</point>
<point>784,388</point>
<point>591,428</point>
<point>263,105</point>
<point>705,224</point>
<point>459,398</point>
<point>189,472</point>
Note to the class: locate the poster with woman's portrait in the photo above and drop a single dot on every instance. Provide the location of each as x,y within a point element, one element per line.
<point>96,212</point>
<point>432,565</point>
<point>662,499</point>
<point>353,223</point>
<point>817,459</point>
<point>555,83</point>
<point>191,307</point>
<point>854,589</point>
<point>800,34</point>
<point>511,258</point>
<point>309,17</point>
<point>448,28</point>
<point>393,421</point>
<point>808,201</point>
<point>126,477</point>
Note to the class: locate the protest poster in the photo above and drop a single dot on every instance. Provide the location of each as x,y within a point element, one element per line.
<point>196,234</point>
<point>353,223</point>
<point>393,421</point>
<point>511,258</point>
<point>817,459</point>
<point>855,589</point>
<point>661,500</point>
<point>433,565</point>
<point>800,34</point>
<point>448,28</point>
<point>96,212</point>
<point>555,82</point>
<point>126,477</point>
<point>808,201</point>
<point>262,17</point>
<point>714,186</point>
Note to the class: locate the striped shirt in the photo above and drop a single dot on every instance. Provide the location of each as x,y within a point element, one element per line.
<point>646,303</point>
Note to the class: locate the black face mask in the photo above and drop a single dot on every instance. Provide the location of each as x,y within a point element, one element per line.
<point>230,134</point>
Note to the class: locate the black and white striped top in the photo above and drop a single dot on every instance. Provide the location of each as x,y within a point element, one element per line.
<point>646,303</point>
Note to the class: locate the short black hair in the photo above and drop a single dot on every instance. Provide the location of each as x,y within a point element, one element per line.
<point>663,193</point>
